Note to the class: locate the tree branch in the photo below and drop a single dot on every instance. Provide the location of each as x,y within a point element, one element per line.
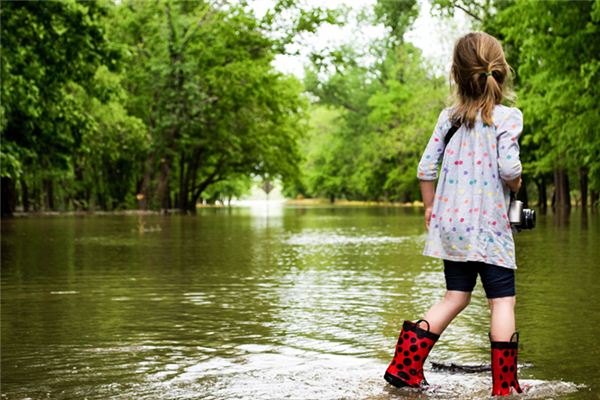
<point>466,11</point>
<point>207,12</point>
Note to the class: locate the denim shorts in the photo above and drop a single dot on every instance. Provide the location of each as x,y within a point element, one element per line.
<point>462,276</point>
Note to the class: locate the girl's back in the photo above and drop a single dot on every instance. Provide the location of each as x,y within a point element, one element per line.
<point>469,220</point>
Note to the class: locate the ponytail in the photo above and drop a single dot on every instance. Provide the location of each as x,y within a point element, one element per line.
<point>480,73</point>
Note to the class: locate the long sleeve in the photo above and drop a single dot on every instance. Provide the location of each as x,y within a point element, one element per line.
<point>509,130</point>
<point>428,166</point>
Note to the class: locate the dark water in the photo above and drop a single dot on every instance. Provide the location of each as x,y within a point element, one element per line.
<point>300,303</point>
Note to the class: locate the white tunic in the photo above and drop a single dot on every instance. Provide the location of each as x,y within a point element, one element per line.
<point>469,220</point>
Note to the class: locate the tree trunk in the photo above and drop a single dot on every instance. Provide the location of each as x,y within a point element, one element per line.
<point>183,190</point>
<point>7,191</point>
<point>145,191</point>
<point>542,195</point>
<point>192,204</point>
<point>190,180</point>
<point>49,190</point>
<point>331,198</point>
<point>101,200</point>
<point>203,185</point>
<point>561,189</point>
<point>593,199</point>
<point>583,185</point>
<point>189,169</point>
<point>81,197</point>
<point>163,183</point>
<point>24,195</point>
<point>36,195</point>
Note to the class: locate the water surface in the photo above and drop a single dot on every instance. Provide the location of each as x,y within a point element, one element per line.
<point>295,302</point>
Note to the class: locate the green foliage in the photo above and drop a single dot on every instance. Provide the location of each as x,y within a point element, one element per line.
<point>202,81</point>
<point>479,10</point>
<point>224,191</point>
<point>558,43</point>
<point>46,46</point>
<point>398,16</point>
<point>101,101</point>
<point>321,146</point>
<point>367,142</point>
<point>403,115</point>
<point>178,100</point>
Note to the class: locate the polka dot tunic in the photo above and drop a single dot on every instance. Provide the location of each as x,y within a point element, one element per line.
<point>469,220</point>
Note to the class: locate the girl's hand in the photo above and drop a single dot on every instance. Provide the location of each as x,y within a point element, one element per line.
<point>428,212</point>
<point>515,184</point>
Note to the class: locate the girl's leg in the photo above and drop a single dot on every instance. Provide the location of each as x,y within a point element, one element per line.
<point>502,322</point>
<point>505,346</point>
<point>443,312</point>
<point>414,344</point>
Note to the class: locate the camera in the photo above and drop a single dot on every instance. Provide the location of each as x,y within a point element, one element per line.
<point>519,217</point>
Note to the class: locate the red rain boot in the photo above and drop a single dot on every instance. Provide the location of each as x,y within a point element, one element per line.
<point>412,348</point>
<point>504,367</point>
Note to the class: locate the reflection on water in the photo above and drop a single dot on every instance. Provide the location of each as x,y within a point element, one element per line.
<point>273,303</point>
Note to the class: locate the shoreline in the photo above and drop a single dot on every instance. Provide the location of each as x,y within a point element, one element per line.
<point>316,202</point>
<point>287,202</point>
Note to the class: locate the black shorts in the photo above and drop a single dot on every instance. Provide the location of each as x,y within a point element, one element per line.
<point>462,276</point>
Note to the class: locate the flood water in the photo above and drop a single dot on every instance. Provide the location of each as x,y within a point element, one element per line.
<point>294,302</point>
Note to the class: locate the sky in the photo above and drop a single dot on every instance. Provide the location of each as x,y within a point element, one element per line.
<point>433,35</point>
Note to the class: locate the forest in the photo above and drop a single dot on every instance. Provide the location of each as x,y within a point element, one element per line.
<point>160,105</point>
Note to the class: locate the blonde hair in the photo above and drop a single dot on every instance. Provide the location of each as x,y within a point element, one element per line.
<point>481,76</point>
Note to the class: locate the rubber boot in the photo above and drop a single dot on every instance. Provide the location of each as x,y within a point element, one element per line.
<point>504,367</point>
<point>412,348</point>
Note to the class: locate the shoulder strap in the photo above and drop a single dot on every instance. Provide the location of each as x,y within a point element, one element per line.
<point>450,133</point>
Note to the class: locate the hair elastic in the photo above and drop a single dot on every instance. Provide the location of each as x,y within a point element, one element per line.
<point>489,73</point>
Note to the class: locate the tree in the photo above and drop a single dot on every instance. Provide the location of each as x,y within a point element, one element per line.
<point>47,48</point>
<point>201,79</point>
<point>559,43</point>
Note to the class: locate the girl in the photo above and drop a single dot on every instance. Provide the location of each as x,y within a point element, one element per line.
<point>466,216</point>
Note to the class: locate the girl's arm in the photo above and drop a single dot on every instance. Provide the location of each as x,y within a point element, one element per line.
<point>428,194</point>
<point>509,164</point>
<point>427,170</point>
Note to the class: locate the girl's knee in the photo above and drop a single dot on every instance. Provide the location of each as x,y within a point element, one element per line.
<point>509,301</point>
<point>458,299</point>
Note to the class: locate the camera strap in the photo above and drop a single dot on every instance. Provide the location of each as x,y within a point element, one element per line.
<point>450,133</point>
